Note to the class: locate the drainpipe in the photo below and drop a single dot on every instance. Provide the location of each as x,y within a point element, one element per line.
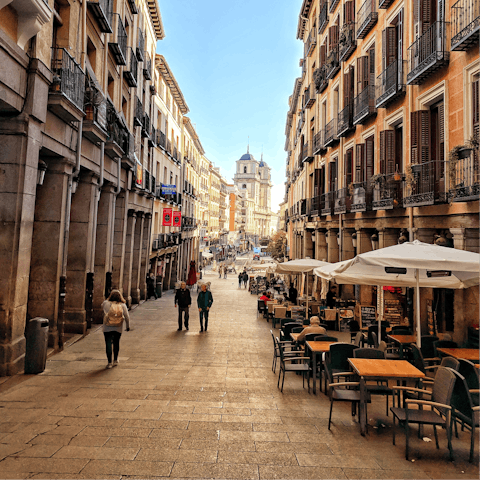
<point>117,191</point>
<point>410,224</point>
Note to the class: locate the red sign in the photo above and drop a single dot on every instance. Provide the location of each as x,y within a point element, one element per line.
<point>167,217</point>
<point>177,219</point>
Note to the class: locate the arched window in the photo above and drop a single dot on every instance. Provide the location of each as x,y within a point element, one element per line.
<point>244,186</point>
<point>244,169</point>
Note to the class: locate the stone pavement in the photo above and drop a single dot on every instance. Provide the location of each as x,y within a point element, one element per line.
<point>190,405</point>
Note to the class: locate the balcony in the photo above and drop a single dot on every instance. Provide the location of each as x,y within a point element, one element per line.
<point>152,141</point>
<point>147,68</point>
<point>140,46</point>
<point>138,116</point>
<point>361,197</point>
<point>311,43</point>
<point>95,121</point>
<point>333,5</point>
<point>189,223</point>
<point>309,96</point>
<point>331,133</point>
<point>367,17</point>
<point>118,45</point>
<point>345,121</point>
<point>428,53</point>
<point>347,41</point>
<point>303,207</point>
<point>364,105</point>
<point>465,179</point>
<point>130,72</point>
<point>387,193</point>
<point>333,65</point>
<point>146,180</point>
<point>342,201</point>
<point>465,20</point>
<point>133,6</point>
<point>384,3</point>
<point>306,153</point>
<point>391,83</point>
<point>169,147</point>
<point>146,129</point>
<point>425,184</point>
<point>66,95</point>
<point>102,10</point>
<point>319,142</point>
<point>117,136</point>
<point>320,78</point>
<point>326,203</point>
<point>323,17</point>
<point>161,139</point>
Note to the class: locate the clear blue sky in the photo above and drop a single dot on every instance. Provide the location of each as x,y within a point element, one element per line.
<point>236,63</point>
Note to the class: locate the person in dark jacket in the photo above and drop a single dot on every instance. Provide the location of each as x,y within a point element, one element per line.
<point>245,278</point>
<point>184,300</point>
<point>292,294</point>
<point>332,296</point>
<point>204,302</point>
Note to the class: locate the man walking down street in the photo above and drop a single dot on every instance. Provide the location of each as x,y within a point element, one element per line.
<point>184,300</point>
<point>204,302</point>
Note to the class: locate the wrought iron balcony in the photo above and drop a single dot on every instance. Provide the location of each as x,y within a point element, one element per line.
<point>333,64</point>
<point>118,142</point>
<point>320,78</point>
<point>303,207</point>
<point>95,121</point>
<point>465,20</point>
<point>169,147</point>
<point>161,139</point>
<point>310,96</point>
<point>147,68</point>
<point>319,142</point>
<point>391,83</point>
<point>118,45</point>
<point>387,192</point>
<point>367,17</point>
<point>130,72</point>
<point>331,133</point>
<point>333,5</point>
<point>428,53</point>
<point>342,201</point>
<point>152,141</point>
<point>146,131</point>
<point>345,121</point>
<point>323,17</point>
<point>347,41</point>
<point>361,197</point>
<point>133,6</point>
<point>67,90</point>
<point>326,203</point>
<point>384,3</point>
<point>311,43</point>
<point>140,46</point>
<point>102,10</point>
<point>364,105</point>
<point>314,206</point>
<point>306,154</point>
<point>146,180</point>
<point>138,117</point>
<point>425,184</point>
<point>465,179</point>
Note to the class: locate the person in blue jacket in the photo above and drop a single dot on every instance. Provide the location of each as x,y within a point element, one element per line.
<point>204,302</point>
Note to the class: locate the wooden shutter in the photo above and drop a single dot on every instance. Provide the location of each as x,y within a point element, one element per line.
<point>335,34</point>
<point>332,167</point>
<point>316,183</point>
<point>426,15</point>
<point>349,12</point>
<point>362,73</point>
<point>420,136</point>
<point>351,84</point>
<point>441,133</point>
<point>371,67</point>
<point>389,46</point>
<point>359,162</point>
<point>387,152</point>
<point>476,127</point>
<point>348,167</point>
<point>346,90</point>
<point>369,158</point>
<point>323,54</point>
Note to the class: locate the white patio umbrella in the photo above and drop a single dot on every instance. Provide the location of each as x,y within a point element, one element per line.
<point>300,266</point>
<point>411,264</point>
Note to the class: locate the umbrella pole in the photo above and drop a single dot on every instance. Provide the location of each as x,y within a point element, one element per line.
<point>306,313</point>
<point>417,306</point>
<point>380,309</point>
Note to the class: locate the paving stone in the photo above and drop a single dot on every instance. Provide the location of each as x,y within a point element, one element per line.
<point>96,468</point>
<point>205,470</point>
<point>177,455</point>
<point>47,465</point>
<point>97,453</point>
<point>295,473</point>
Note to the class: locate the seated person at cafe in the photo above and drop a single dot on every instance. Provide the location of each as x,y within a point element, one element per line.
<point>285,296</point>
<point>331,296</point>
<point>265,297</point>
<point>314,327</point>
<point>292,294</point>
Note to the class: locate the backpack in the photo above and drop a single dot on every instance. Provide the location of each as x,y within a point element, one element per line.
<point>114,317</point>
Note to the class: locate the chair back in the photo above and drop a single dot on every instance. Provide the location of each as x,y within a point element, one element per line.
<point>324,338</point>
<point>443,344</point>
<point>353,326</point>
<point>368,353</point>
<point>337,357</point>
<point>374,329</point>
<point>280,312</point>
<point>373,339</point>
<point>275,346</point>
<point>330,314</point>
<point>260,306</point>
<point>397,328</point>
<point>315,309</point>
<point>450,362</point>
<point>471,374</point>
<point>270,306</point>
<point>443,387</point>
<point>310,337</point>
<point>359,339</point>
<point>461,398</point>
<point>287,328</point>
<point>428,350</point>
<point>296,330</point>
<point>416,357</point>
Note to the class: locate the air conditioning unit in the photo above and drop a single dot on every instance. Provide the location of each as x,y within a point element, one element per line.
<point>155,245</point>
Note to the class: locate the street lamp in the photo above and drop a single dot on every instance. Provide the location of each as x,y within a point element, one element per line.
<point>374,239</point>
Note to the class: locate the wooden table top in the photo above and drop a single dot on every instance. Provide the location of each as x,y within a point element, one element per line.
<point>463,353</point>
<point>294,336</point>
<point>403,339</point>
<point>290,307</point>
<point>318,347</point>
<point>367,367</point>
<point>365,329</point>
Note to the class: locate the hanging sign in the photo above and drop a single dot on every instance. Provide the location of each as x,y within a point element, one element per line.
<point>177,219</point>
<point>167,217</point>
<point>169,189</point>
<point>139,175</point>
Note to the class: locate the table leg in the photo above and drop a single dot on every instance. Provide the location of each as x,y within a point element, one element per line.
<point>314,361</point>
<point>361,407</point>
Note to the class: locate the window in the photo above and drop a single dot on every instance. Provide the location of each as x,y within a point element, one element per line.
<point>244,169</point>
<point>111,87</point>
<point>92,55</point>
<point>244,186</point>
<point>364,160</point>
<point>348,168</point>
<point>332,169</point>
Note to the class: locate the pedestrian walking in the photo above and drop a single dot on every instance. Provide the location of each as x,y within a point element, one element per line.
<point>184,300</point>
<point>151,287</point>
<point>115,313</point>
<point>240,279</point>
<point>245,278</point>
<point>220,270</point>
<point>204,302</point>
<point>225,271</point>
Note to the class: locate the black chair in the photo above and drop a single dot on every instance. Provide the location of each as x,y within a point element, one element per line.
<point>359,340</point>
<point>373,329</point>
<point>428,349</point>
<point>285,366</point>
<point>440,413</point>
<point>471,374</point>
<point>261,307</point>
<point>324,338</point>
<point>443,344</point>
<point>276,351</point>
<point>390,352</point>
<point>401,330</point>
<point>336,360</point>
<point>354,328</point>
<point>287,330</point>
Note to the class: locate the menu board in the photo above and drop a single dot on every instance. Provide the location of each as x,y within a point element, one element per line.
<point>368,315</point>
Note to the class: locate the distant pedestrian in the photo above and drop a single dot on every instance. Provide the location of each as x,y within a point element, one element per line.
<point>245,279</point>
<point>220,271</point>
<point>184,300</point>
<point>240,279</point>
<point>115,312</point>
<point>225,271</point>
<point>204,302</point>
<point>151,287</point>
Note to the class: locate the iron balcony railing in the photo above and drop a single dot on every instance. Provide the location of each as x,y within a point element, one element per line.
<point>331,132</point>
<point>175,153</point>
<point>118,45</point>
<point>169,147</point>
<point>364,105</point>
<point>189,223</point>
<point>384,3</point>
<point>347,41</point>
<point>425,184</point>
<point>95,106</point>
<point>147,67</point>
<point>465,178</point>
<point>68,77</point>
<point>361,197</point>
<point>387,192</point>
<point>345,121</point>
<point>146,180</point>
<point>428,53</point>
<point>140,46</point>
<point>333,5</point>
<point>130,72</point>
<point>391,83</point>
<point>311,43</point>
<point>307,155</point>
<point>115,129</point>
<point>303,207</point>
<point>146,126</point>
<point>138,117</point>
<point>465,20</point>
<point>153,184</point>
<point>342,201</point>
<point>367,17</point>
<point>318,142</point>
<point>102,10</point>
<point>320,78</point>
<point>133,6</point>
<point>152,141</point>
<point>323,16</point>
<point>315,206</point>
<point>326,203</point>
<point>333,64</point>
<point>309,96</point>
<point>161,139</point>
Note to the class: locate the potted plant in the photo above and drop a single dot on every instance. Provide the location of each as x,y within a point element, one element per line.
<point>376,179</point>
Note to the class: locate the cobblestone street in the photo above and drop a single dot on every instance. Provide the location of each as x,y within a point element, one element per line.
<point>191,405</point>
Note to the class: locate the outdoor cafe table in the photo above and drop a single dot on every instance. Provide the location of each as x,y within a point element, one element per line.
<point>403,340</point>
<point>317,348</point>
<point>471,354</point>
<point>372,369</point>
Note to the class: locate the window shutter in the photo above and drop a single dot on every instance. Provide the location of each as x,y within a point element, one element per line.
<point>365,72</point>
<point>349,12</point>
<point>419,136</point>
<point>316,185</point>
<point>332,168</point>
<point>323,54</point>
<point>348,167</point>
<point>346,89</point>
<point>400,35</point>
<point>371,67</point>
<point>351,73</point>
<point>359,154</point>
<point>476,127</point>
<point>359,74</point>
<point>334,32</point>
<point>441,134</point>
<point>389,46</point>
<point>369,157</point>
<point>426,15</point>
<point>383,155</point>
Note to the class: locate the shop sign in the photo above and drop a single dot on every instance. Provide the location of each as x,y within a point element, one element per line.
<point>139,175</point>
<point>177,219</point>
<point>167,217</point>
<point>169,189</point>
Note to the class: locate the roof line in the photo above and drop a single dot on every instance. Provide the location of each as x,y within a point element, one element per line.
<point>191,130</point>
<point>167,74</point>
<point>156,17</point>
<point>302,18</point>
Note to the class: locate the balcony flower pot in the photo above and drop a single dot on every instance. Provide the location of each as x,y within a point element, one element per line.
<point>376,180</point>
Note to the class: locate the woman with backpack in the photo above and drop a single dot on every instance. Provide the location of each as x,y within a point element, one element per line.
<point>115,312</point>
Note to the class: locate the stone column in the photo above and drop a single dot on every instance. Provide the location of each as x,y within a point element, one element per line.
<point>128,262</point>
<point>47,246</point>
<point>308,245</point>
<point>102,248</point>
<point>363,293</point>
<point>332,246</point>
<point>387,237</point>
<point>145,265</point>
<point>459,239</point>
<point>348,291</point>
<point>119,241</point>
<point>79,261</point>
<point>321,246</point>
<point>137,257</point>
